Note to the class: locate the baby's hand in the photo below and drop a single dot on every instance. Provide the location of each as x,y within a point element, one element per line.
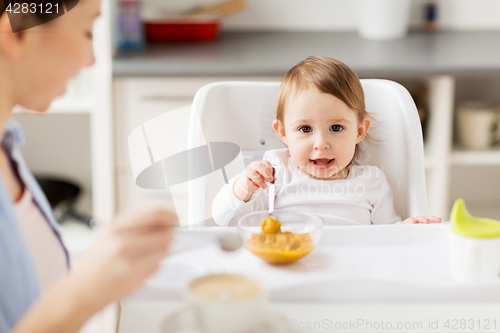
<point>422,219</point>
<point>254,177</point>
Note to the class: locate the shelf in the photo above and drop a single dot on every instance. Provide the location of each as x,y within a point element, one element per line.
<point>420,54</point>
<point>460,156</point>
<point>66,105</point>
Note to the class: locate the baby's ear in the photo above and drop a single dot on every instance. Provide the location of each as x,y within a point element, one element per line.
<point>280,130</point>
<point>363,127</point>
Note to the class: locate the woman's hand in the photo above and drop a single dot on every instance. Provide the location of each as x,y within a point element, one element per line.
<point>255,176</point>
<point>126,251</point>
<point>422,219</point>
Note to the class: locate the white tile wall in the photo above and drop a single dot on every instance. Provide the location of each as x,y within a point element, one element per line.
<point>341,15</point>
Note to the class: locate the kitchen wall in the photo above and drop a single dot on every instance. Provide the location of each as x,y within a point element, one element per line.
<point>338,15</point>
<point>341,15</point>
<point>57,145</point>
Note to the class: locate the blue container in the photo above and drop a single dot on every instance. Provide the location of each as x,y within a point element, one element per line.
<point>130,33</point>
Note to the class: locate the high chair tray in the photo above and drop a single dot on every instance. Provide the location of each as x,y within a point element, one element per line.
<point>350,263</point>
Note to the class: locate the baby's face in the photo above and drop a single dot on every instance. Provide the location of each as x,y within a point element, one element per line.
<point>321,132</point>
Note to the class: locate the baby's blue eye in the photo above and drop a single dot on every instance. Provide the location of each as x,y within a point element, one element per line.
<point>336,128</point>
<point>305,129</point>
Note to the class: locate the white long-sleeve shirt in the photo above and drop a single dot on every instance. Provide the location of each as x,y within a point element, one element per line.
<point>363,197</point>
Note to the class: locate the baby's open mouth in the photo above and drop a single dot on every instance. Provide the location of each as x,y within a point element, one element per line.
<point>322,163</point>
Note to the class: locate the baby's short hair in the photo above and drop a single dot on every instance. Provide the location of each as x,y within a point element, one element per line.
<point>330,76</point>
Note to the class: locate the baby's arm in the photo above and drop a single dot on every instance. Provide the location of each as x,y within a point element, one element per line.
<point>243,194</point>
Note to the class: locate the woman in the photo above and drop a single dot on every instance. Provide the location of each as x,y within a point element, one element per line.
<point>37,293</point>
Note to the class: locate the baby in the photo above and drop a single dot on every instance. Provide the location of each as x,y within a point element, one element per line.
<point>321,117</point>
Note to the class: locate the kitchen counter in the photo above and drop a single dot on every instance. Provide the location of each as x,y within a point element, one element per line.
<point>274,53</point>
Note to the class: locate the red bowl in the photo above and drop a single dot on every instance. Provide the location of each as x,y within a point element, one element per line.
<point>182,29</point>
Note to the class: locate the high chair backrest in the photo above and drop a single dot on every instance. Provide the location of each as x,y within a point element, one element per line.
<point>242,113</point>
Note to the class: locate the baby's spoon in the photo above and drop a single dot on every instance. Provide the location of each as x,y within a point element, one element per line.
<point>272,196</point>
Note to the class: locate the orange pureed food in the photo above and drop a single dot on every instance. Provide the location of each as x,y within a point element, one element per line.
<point>270,226</point>
<point>275,247</point>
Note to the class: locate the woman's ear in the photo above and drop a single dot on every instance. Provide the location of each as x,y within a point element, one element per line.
<point>10,43</point>
<point>363,127</point>
<point>280,130</point>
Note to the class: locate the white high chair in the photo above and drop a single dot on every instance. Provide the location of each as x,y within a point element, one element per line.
<point>242,113</point>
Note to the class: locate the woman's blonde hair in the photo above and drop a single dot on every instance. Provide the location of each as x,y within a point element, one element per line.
<point>329,76</point>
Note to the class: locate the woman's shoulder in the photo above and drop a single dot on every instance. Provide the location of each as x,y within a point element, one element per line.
<point>12,135</point>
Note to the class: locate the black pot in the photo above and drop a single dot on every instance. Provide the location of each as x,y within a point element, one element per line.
<point>62,195</point>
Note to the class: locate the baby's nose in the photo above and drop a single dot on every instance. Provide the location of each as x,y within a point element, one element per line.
<point>321,143</point>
